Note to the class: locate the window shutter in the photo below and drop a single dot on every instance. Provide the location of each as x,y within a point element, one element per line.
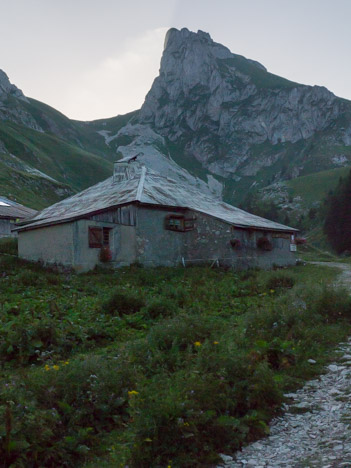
<point>95,237</point>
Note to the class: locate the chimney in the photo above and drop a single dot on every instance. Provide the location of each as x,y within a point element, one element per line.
<point>124,169</point>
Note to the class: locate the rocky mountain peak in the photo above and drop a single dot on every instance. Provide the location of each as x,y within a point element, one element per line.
<point>6,88</point>
<point>216,105</point>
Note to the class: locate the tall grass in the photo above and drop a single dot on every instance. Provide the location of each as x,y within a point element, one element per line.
<point>156,368</point>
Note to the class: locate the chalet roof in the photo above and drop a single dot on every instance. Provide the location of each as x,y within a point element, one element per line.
<point>147,187</point>
<point>12,210</point>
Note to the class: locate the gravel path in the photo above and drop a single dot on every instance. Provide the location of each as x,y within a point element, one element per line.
<point>315,430</point>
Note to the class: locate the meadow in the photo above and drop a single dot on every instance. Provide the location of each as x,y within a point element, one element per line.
<point>154,367</point>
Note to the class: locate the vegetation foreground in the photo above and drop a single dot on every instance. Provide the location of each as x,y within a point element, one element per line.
<point>154,367</point>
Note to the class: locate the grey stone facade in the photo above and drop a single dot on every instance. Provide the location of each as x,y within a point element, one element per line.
<point>5,228</point>
<point>140,236</point>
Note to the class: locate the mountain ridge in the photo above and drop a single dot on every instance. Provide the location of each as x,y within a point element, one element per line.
<point>212,118</point>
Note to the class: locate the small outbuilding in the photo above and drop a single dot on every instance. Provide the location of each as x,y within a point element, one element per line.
<point>10,213</point>
<point>140,216</point>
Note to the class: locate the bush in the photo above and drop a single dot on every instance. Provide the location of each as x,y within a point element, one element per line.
<point>334,304</point>
<point>9,246</point>
<point>280,281</point>
<point>58,411</point>
<point>29,278</point>
<point>160,307</point>
<point>122,303</point>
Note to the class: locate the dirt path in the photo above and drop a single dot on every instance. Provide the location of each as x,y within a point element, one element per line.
<point>315,430</point>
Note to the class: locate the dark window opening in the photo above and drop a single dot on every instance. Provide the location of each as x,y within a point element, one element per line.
<point>179,223</point>
<point>99,237</point>
<point>106,236</point>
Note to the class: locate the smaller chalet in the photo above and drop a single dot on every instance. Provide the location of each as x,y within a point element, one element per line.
<point>10,213</point>
<point>139,215</point>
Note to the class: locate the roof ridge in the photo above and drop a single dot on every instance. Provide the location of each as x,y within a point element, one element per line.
<point>141,184</point>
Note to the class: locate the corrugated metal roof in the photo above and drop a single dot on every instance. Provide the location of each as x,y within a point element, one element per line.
<point>148,187</point>
<point>12,210</point>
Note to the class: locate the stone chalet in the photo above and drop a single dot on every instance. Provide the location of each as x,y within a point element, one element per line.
<point>10,212</point>
<point>139,215</point>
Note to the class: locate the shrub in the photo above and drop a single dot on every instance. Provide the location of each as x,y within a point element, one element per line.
<point>59,410</point>
<point>280,281</point>
<point>122,303</point>
<point>29,278</point>
<point>9,246</point>
<point>177,293</point>
<point>160,307</point>
<point>53,279</point>
<point>333,304</point>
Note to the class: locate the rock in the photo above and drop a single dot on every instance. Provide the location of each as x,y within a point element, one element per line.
<point>312,361</point>
<point>14,112</point>
<point>226,458</point>
<point>201,88</point>
<point>334,368</point>
<point>317,438</point>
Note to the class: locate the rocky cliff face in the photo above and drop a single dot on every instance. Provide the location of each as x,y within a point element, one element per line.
<point>211,118</point>
<point>224,116</point>
<point>11,104</point>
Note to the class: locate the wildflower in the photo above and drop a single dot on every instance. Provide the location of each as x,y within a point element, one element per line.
<point>197,343</point>
<point>132,393</point>
<point>271,291</point>
<point>66,363</point>
<point>186,424</point>
<point>47,367</point>
<point>56,367</point>
<point>264,294</point>
<point>215,342</point>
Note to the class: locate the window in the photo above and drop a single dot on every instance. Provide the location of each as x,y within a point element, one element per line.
<point>99,237</point>
<point>179,223</point>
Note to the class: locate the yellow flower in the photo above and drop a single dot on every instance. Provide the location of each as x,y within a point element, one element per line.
<point>197,343</point>
<point>148,439</point>
<point>55,367</point>
<point>186,424</point>
<point>271,291</point>
<point>264,294</point>
<point>66,363</point>
<point>132,393</point>
<point>47,367</point>
<point>215,342</point>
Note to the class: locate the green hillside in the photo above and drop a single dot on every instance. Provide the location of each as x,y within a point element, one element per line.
<point>315,187</point>
<point>61,160</point>
<point>28,189</point>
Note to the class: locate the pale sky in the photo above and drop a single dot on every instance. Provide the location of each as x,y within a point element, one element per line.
<point>94,59</point>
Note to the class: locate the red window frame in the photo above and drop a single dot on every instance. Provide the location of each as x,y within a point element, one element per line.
<point>98,237</point>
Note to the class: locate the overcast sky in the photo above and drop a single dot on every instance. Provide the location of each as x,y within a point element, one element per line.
<point>92,59</point>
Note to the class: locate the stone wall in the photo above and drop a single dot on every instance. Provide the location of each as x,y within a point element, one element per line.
<point>122,245</point>
<point>52,244</point>
<point>209,242</point>
<point>5,228</point>
<point>151,244</point>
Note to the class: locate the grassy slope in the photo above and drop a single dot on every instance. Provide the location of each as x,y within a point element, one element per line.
<point>57,158</point>
<point>30,190</point>
<point>182,365</point>
<point>314,187</point>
